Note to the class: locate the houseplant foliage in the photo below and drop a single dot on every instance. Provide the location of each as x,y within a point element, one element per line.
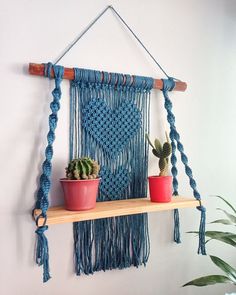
<point>80,186</point>
<point>162,152</point>
<point>226,237</point>
<point>161,186</point>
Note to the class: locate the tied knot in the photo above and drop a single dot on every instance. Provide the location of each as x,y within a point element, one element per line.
<point>58,71</point>
<point>51,134</point>
<point>201,208</point>
<point>168,84</point>
<point>48,69</point>
<point>40,230</point>
<point>53,121</point>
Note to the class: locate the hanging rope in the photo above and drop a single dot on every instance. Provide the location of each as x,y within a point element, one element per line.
<point>70,46</point>
<point>168,85</point>
<point>42,255</point>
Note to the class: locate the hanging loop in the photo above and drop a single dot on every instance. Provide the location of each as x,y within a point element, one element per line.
<point>41,216</point>
<point>200,203</point>
<point>70,46</point>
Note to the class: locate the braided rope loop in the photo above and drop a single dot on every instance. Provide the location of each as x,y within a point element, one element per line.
<point>168,85</point>
<point>42,253</point>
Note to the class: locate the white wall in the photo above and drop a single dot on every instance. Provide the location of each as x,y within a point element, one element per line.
<point>194,41</point>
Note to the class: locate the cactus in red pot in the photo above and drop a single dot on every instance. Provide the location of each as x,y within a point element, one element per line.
<point>80,186</point>
<point>161,186</point>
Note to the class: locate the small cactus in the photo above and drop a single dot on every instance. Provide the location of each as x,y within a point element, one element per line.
<point>162,152</point>
<point>83,168</point>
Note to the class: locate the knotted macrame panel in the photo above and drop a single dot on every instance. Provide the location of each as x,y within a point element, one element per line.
<point>109,116</point>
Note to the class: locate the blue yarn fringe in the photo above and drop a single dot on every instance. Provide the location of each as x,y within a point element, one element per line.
<point>202,231</point>
<point>42,255</point>
<point>176,227</point>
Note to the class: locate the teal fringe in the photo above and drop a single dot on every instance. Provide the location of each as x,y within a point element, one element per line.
<point>176,227</point>
<point>42,255</point>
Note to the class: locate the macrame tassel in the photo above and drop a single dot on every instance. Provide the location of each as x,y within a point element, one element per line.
<point>202,231</point>
<point>83,240</point>
<point>176,227</point>
<point>42,255</point>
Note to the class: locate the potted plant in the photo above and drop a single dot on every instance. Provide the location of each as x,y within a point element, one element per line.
<point>80,186</point>
<point>160,186</point>
<point>229,272</point>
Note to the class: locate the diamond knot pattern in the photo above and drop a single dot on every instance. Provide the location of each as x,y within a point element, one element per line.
<point>112,129</point>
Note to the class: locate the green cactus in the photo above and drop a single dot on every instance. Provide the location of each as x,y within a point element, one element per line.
<point>162,152</point>
<point>83,168</point>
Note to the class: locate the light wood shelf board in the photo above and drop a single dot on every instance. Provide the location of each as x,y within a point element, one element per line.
<point>57,215</point>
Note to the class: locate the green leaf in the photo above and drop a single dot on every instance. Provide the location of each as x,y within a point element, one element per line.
<point>231,206</point>
<point>216,234</point>
<point>223,221</point>
<point>225,267</point>
<point>225,237</point>
<point>220,234</point>
<point>149,141</point>
<point>158,146</point>
<point>208,241</point>
<point>231,217</point>
<point>208,280</point>
<point>226,240</point>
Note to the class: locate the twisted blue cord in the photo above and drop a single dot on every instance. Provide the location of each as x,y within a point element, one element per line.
<point>42,255</point>
<point>168,85</point>
<point>175,184</point>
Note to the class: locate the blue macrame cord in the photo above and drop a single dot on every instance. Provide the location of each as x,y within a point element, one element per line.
<point>168,85</point>
<point>87,86</point>
<point>42,254</point>
<point>109,119</point>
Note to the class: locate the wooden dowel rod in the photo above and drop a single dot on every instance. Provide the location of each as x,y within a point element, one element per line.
<point>38,70</point>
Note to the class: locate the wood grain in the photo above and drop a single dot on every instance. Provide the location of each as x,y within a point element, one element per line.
<point>57,215</point>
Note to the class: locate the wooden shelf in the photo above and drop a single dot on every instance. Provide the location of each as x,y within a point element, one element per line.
<point>57,215</point>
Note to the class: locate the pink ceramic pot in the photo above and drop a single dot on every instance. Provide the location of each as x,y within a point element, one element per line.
<point>80,194</point>
<point>160,188</point>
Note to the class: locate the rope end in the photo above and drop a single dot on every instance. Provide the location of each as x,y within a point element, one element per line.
<point>176,227</point>
<point>202,231</point>
<point>42,253</point>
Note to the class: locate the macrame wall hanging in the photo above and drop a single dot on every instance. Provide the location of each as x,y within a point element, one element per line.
<point>109,116</point>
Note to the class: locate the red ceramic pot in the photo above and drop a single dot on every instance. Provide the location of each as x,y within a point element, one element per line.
<point>80,194</point>
<point>160,188</point>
